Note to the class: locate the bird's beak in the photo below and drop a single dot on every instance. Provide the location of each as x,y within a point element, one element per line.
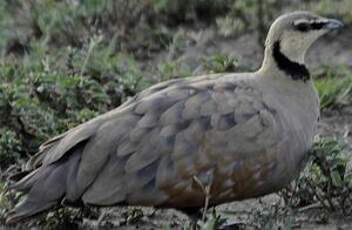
<point>333,24</point>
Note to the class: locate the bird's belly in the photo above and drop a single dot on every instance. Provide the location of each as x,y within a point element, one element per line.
<point>247,179</point>
<point>240,179</point>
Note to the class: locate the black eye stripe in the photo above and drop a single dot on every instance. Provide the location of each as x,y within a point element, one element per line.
<point>307,26</point>
<point>317,25</point>
<point>303,27</point>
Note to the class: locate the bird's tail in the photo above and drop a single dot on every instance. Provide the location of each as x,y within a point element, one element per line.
<point>45,187</point>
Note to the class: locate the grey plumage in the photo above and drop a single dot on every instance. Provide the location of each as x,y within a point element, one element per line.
<point>244,134</point>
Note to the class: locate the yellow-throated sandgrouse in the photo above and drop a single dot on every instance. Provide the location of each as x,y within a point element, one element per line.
<point>241,134</point>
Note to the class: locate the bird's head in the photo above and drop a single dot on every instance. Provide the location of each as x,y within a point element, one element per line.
<point>289,38</point>
<point>295,33</point>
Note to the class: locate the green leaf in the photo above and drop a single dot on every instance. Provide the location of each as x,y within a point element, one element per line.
<point>336,179</point>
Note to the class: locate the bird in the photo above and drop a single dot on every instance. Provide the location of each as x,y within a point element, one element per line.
<point>241,135</point>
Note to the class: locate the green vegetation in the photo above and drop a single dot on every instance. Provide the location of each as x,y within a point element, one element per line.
<point>220,63</point>
<point>65,62</point>
<point>334,86</point>
<point>326,179</point>
<point>44,94</point>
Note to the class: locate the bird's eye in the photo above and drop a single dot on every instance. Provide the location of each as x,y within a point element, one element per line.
<point>302,26</point>
<point>318,25</point>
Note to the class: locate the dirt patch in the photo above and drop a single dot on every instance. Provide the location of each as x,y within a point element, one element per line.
<point>332,50</point>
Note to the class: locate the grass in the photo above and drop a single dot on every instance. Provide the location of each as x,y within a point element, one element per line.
<point>334,87</point>
<point>220,63</point>
<point>326,179</point>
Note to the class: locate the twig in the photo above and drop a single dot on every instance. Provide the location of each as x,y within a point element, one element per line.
<point>206,191</point>
<point>311,206</point>
<point>92,44</point>
<point>321,200</point>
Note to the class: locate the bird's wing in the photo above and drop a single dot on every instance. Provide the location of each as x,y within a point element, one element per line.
<point>55,148</point>
<point>177,134</point>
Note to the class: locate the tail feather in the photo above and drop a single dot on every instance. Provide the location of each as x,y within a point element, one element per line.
<point>28,208</point>
<point>26,183</point>
<point>45,188</point>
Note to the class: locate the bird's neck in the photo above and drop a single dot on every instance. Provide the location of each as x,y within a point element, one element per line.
<point>276,61</point>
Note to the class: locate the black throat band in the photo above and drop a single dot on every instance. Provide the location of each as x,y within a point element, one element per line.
<point>295,70</point>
